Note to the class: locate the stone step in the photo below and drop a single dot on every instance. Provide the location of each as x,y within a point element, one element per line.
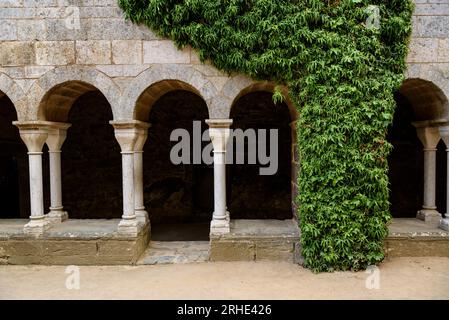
<point>169,252</point>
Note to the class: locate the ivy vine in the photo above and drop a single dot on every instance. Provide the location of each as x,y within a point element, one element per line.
<point>341,75</point>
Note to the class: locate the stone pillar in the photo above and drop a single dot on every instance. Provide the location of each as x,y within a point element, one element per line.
<point>429,137</point>
<point>139,206</point>
<point>444,133</point>
<point>127,133</point>
<point>56,136</point>
<point>295,169</point>
<point>219,133</point>
<point>34,134</point>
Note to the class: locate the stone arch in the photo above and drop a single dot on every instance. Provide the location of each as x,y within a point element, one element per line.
<point>54,93</point>
<point>158,80</point>
<point>421,106</point>
<point>428,101</point>
<point>238,86</point>
<point>14,92</point>
<point>253,109</point>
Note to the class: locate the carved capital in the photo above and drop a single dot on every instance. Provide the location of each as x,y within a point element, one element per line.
<point>33,133</point>
<point>128,133</point>
<point>219,132</point>
<point>428,135</point>
<point>57,133</point>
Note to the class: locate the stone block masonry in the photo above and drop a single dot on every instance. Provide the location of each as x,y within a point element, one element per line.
<point>52,52</point>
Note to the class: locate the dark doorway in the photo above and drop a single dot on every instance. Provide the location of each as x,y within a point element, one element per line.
<point>91,161</point>
<point>178,197</point>
<point>14,185</point>
<point>406,162</point>
<point>251,195</point>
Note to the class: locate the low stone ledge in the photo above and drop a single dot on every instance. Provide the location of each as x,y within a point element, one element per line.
<point>68,247</point>
<point>251,240</point>
<point>417,247</point>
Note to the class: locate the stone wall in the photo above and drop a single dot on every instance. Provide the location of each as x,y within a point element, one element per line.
<point>44,44</point>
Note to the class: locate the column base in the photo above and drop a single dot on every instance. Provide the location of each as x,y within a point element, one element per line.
<point>36,226</point>
<point>220,226</point>
<point>142,216</point>
<point>444,223</point>
<point>430,216</point>
<point>129,227</point>
<point>57,216</point>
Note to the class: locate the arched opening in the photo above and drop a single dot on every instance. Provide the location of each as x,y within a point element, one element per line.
<point>252,195</point>
<point>417,101</point>
<point>178,197</point>
<point>90,159</point>
<point>14,183</point>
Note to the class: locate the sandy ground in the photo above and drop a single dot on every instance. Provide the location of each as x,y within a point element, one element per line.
<point>400,278</point>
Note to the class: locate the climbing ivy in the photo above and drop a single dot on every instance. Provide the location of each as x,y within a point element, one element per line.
<point>341,71</point>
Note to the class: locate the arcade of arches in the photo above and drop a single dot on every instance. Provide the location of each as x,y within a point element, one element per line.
<point>85,164</point>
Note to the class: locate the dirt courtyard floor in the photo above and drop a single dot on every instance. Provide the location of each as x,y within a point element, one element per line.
<point>398,278</point>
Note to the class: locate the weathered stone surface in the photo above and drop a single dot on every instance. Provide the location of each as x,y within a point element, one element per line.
<point>164,51</point>
<point>124,71</point>
<point>126,52</point>
<point>111,247</point>
<point>50,53</point>
<point>417,247</point>
<point>40,3</point>
<point>440,7</point>
<point>16,53</point>
<point>229,250</point>
<point>93,52</point>
<point>69,248</point>
<point>175,252</point>
<point>21,248</point>
<point>66,29</point>
<point>432,26</point>
<point>277,250</point>
<point>8,30</point>
<point>31,29</point>
<point>423,50</point>
<point>10,3</point>
<point>66,251</point>
<point>36,71</point>
<point>443,50</point>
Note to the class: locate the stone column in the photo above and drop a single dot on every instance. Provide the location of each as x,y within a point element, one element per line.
<point>219,133</point>
<point>34,134</point>
<point>444,133</point>
<point>56,136</point>
<point>429,137</point>
<point>127,133</point>
<point>139,206</point>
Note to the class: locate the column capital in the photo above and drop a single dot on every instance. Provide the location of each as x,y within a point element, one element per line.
<point>141,139</point>
<point>219,123</point>
<point>130,133</point>
<point>57,133</point>
<point>428,135</point>
<point>444,133</point>
<point>219,133</point>
<point>33,133</point>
